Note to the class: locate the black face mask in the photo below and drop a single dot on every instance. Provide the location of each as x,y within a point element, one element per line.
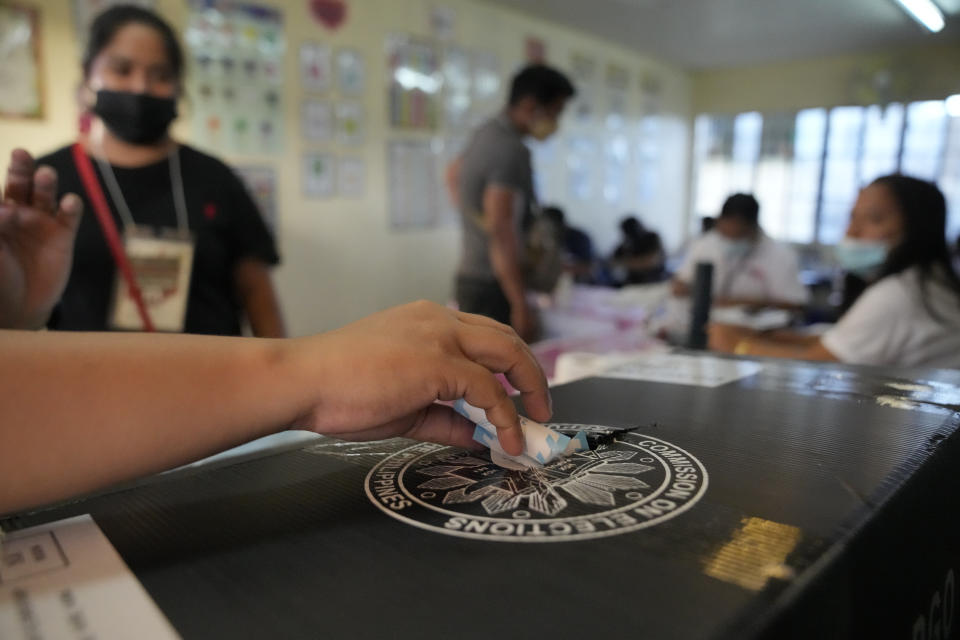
<point>136,118</point>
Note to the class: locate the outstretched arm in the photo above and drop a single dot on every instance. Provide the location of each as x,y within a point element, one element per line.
<point>777,344</point>
<point>82,411</point>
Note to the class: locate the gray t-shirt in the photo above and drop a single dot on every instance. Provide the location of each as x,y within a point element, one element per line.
<point>495,155</point>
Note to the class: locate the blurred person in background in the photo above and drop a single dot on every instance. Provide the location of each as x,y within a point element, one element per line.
<point>179,244</point>
<point>907,313</point>
<point>579,257</point>
<point>639,258</point>
<point>491,183</point>
<point>750,268</point>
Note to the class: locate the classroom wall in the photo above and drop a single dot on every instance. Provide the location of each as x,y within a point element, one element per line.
<point>908,74</point>
<point>341,259</point>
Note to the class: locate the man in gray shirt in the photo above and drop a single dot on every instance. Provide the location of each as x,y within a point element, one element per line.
<point>492,184</point>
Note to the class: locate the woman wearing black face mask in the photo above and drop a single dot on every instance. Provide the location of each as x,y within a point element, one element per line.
<point>170,240</point>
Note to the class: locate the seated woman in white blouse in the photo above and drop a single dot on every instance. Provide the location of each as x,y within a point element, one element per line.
<point>909,314</point>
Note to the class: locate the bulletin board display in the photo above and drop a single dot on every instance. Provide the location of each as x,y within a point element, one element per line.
<point>21,88</point>
<point>237,80</point>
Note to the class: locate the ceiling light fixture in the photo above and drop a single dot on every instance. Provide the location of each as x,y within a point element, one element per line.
<point>925,12</point>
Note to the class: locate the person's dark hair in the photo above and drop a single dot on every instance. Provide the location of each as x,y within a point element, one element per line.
<point>742,206</point>
<point>631,226</point>
<point>544,84</point>
<point>106,25</point>
<point>555,214</point>
<point>924,244</point>
<point>707,223</point>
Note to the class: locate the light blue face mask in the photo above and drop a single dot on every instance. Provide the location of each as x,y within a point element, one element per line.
<point>861,257</point>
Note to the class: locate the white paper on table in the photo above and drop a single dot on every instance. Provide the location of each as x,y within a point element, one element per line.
<point>541,443</point>
<point>65,580</point>
<point>760,320</point>
<point>671,368</point>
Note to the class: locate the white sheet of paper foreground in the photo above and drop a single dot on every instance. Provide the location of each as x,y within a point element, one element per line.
<point>65,580</point>
<point>541,443</point>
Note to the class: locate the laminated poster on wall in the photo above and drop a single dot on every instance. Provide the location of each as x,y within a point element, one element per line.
<point>21,93</point>
<point>651,93</point>
<point>443,22</point>
<point>414,82</point>
<point>316,67</point>
<point>584,73</point>
<point>316,120</point>
<point>351,177</point>
<point>457,86</point>
<point>617,85</point>
<point>487,84</point>
<point>318,175</point>
<point>412,168</point>
<point>351,75</point>
<point>261,182</point>
<point>350,123</point>
<point>237,78</point>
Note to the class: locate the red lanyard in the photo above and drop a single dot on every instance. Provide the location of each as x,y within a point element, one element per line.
<point>112,236</point>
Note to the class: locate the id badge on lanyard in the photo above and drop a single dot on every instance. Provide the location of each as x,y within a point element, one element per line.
<point>162,266</point>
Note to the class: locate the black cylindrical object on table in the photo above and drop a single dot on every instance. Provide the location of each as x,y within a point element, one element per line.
<point>701,297</point>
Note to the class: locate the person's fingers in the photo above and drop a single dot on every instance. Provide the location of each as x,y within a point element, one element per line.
<point>8,214</point>
<point>44,195</point>
<point>70,211</point>
<point>483,321</point>
<point>479,387</point>
<point>443,425</point>
<point>511,356</point>
<point>19,183</point>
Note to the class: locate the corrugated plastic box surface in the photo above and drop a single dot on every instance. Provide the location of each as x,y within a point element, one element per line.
<point>803,501</point>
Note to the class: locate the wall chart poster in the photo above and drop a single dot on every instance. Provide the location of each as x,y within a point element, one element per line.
<point>351,177</point>
<point>412,168</point>
<point>316,120</point>
<point>413,72</point>
<point>316,67</point>
<point>237,82</point>
<point>487,82</point>
<point>261,182</point>
<point>21,92</point>
<point>618,84</point>
<point>350,123</point>
<point>583,70</point>
<point>457,85</point>
<point>351,75</point>
<point>318,175</point>
<point>443,22</point>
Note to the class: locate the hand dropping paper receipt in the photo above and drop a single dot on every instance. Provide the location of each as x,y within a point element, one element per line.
<point>541,444</point>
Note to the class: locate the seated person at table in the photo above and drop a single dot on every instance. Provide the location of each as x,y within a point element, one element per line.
<point>909,314</point>
<point>749,268</point>
<point>577,246</point>
<point>82,411</point>
<point>639,258</point>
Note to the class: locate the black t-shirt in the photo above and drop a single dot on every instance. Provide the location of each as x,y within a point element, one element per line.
<point>223,219</point>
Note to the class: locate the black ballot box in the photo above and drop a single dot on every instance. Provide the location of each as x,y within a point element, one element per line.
<point>769,500</point>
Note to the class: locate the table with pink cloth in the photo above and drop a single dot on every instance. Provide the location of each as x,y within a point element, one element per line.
<point>583,319</point>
